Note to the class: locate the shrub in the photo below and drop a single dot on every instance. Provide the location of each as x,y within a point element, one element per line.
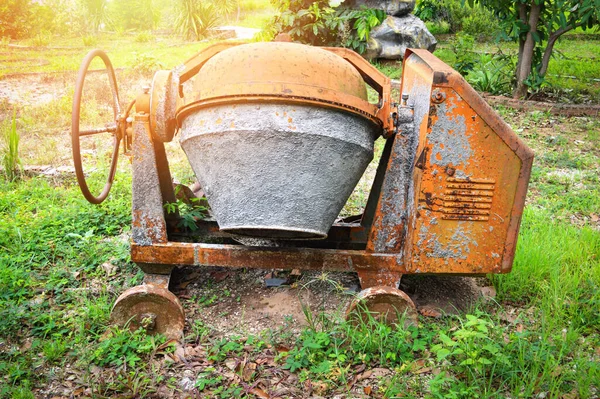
<point>319,24</point>
<point>438,27</point>
<point>146,64</point>
<point>491,74</point>
<point>89,40</point>
<point>143,37</point>
<point>195,17</point>
<point>476,21</point>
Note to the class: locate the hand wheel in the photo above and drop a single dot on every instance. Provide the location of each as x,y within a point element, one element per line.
<point>115,127</point>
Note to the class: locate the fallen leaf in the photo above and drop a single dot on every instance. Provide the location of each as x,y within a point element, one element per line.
<point>109,268</point>
<point>574,394</point>
<point>231,364</point>
<point>360,368</point>
<point>166,344</point>
<point>260,393</point>
<point>367,390</point>
<point>219,276</point>
<point>282,348</point>
<point>594,217</point>
<point>248,371</point>
<point>179,354</point>
<point>423,370</point>
<point>430,311</point>
<point>319,387</point>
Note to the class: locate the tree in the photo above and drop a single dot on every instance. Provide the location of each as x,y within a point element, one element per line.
<point>14,18</point>
<point>96,13</point>
<point>537,25</point>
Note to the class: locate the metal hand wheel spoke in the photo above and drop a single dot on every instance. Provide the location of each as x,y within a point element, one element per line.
<point>107,129</point>
<point>112,127</point>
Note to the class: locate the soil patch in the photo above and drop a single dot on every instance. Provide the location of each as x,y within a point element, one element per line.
<point>237,301</point>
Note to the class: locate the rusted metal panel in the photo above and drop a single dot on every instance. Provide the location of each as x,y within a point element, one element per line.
<point>471,189</point>
<point>328,77</point>
<point>384,267</point>
<point>148,220</point>
<point>395,205</point>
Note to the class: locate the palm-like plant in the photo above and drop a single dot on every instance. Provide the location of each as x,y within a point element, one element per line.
<point>195,17</point>
<point>96,12</point>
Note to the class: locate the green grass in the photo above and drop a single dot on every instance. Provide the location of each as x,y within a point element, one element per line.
<point>65,54</point>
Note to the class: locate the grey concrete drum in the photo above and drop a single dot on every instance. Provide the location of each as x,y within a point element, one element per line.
<point>277,170</point>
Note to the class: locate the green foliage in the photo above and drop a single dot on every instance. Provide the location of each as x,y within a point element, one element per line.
<point>189,211</point>
<point>10,157</point>
<point>133,15</point>
<point>194,18</point>
<point>492,74</point>
<point>462,46</point>
<point>41,39</point>
<point>536,25</point>
<point>210,379</point>
<point>322,23</point>
<point>452,16</point>
<point>146,64</point>
<point>90,40</point>
<point>143,37</point>
<point>124,347</point>
<point>95,13</point>
<point>556,269</point>
<point>438,27</point>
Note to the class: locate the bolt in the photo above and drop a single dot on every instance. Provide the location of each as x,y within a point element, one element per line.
<point>450,171</point>
<point>404,98</point>
<point>148,321</point>
<point>438,96</point>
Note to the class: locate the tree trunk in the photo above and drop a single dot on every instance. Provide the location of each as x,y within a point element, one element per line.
<point>523,17</point>
<point>526,58</point>
<point>550,46</point>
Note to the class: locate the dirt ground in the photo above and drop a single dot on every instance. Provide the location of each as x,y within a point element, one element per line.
<point>239,301</point>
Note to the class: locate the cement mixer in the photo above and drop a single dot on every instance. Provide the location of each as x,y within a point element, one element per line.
<point>278,134</point>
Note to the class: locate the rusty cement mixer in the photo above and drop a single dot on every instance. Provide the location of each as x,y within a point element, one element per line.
<point>278,135</point>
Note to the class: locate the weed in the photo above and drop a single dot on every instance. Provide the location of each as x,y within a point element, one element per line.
<point>199,332</point>
<point>41,39</point>
<point>54,350</point>
<point>90,40</point>
<point>10,158</point>
<point>144,37</point>
<point>124,347</point>
<point>189,211</point>
<point>146,64</point>
<point>491,74</point>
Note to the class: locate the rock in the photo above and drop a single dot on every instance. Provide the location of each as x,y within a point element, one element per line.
<point>391,7</point>
<point>391,39</point>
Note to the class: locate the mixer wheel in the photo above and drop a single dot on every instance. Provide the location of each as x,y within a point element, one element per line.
<point>114,127</point>
<point>151,307</point>
<point>386,304</point>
